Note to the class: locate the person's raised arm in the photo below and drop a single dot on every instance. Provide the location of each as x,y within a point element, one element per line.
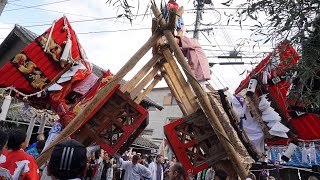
<point>145,172</point>
<point>120,162</point>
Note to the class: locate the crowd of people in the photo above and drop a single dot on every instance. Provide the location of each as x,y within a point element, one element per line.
<point>71,160</point>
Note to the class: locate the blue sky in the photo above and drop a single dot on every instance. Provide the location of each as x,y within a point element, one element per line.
<point>110,49</point>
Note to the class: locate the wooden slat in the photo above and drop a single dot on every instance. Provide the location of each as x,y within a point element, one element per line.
<point>143,71</point>
<point>181,86</point>
<point>155,81</point>
<point>144,82</point>
<point>175,93</point>
<point>87,110</point>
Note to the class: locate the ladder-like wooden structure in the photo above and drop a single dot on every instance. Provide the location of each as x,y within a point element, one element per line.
<point>207,130</point>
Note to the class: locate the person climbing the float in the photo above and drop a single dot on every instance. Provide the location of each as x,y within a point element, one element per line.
<point>172,4</point>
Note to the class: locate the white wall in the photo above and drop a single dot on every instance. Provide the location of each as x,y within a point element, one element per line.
<point>157,119</point>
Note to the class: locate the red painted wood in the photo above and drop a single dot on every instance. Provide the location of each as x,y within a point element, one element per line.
<point>180,148</point>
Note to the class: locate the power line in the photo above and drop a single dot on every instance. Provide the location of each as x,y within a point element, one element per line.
<point>215,8</point>
<point>210,45</point>
<point>60,12</point>
<point>226,35</point>
<point>222,52</point>
<point>39,5</point>
<point>75,21</point>
<point>216,76</point>
<point>214,83</point>
<point>108,31</point>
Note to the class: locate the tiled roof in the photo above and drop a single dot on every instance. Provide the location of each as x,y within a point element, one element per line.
<point>150,102</point>
<point>145,142</point>
<point>17,114</point>
<point>26,32</point>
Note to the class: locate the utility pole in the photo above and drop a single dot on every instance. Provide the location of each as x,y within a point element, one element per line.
<point>2,5</point>
<point>199,4</point>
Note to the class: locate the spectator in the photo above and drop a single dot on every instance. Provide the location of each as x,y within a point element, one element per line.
<point>125,156</point>
<point>176,172</point>
<point>4,173</point>
<point>94,156</point>
<point>105,169</point>
<point>68,161</point>
<point>40,137</point>
<point>210,174</point>
<point>166,166</point>
<point>156,168</point>
<point>19,163</point>
<point>202,175</point>
<point>149,159</point>
<point>36,150</point>
<point>144,160</point>
<point>173,161</point>
<point>134,170</point>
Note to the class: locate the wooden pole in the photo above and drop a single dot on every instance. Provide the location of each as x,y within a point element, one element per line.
<point>155,81</point>
<point>203,100</point>
<point>175,94</point>
<point>134,92</point>
<point>42,124</point>
<point>78,120</point>
<point>143,71</point>
<point>179,82</point>
<point>30,129</point>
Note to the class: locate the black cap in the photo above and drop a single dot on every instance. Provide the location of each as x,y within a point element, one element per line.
<point>68,159</point>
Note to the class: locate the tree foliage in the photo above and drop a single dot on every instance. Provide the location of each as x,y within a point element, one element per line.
<point>296,21</point>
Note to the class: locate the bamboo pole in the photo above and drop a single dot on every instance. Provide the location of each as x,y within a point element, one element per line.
<point>155,81</point>
<point>87,110</point>
<point>203,100</point>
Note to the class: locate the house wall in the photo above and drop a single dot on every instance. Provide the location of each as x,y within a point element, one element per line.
<point>157,119</point>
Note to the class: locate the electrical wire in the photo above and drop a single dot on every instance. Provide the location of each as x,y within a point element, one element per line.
<point>39,5</point>
<point>48,10</point>
<point>226,35</point>
<point>214,74</point>
<point>216,86</point>
<point>75,21</point>
<point>119,30</point>
<point>222,52</point>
